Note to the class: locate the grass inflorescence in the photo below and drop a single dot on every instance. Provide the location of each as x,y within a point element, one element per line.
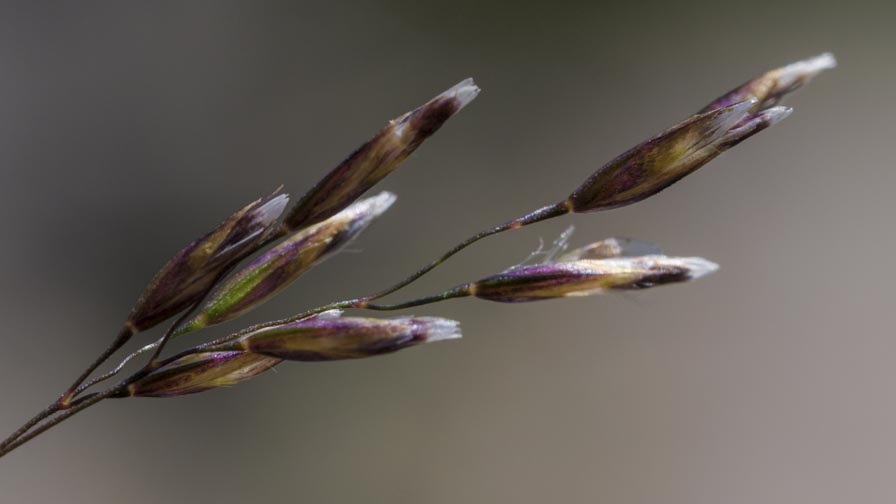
<point>205,285</point>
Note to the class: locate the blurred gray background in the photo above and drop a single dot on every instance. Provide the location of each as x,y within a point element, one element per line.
<point>127,129</point>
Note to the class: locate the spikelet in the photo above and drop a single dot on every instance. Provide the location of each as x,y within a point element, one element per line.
<point>192,271</point>
<point>337,338</point>
<point>378,157</point>
<point>200,372</point>
<point>589,276</point>
<point>275,270</point>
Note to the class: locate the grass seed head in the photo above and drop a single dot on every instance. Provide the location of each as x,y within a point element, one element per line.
<point>201,372</point>
<point>771,87</point>
<point>378,157</point>
<point>193,270</point>
<point>278,268</point>
<point>336,338</point>
<point>654,165</point>
<point>589,276</point>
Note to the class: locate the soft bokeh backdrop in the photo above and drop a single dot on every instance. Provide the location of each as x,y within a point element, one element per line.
<point>129,128</point>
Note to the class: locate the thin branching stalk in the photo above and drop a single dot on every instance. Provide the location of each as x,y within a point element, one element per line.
<point>28,432</point>
<point>120,340</point>
<point>206,284</point>
<point>542,214</point>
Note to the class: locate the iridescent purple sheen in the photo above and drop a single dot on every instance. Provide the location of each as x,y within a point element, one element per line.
<point>201,372</point>
<point>518,285</point>
<point>588,276</point>
<point>324,339</point>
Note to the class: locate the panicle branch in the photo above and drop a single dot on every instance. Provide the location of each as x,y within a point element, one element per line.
<point>195,284</point>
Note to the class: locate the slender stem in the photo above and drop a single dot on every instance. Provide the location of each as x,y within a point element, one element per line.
<point>67,400</point>
<point>49,410</point>
<point>456,292</point>
<point>128,331</point>
<point>544,213</point>
<point>77,407</point>
<point>160,344</point>
<point>99,379</point>
<point>28,430</point>
<point>180,320</point>
<point>70,406</point>
<point>123,337</point>
<point>23,435</point>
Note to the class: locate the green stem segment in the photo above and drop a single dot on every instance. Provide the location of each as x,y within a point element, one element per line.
<point>170,333</point>
<point>459,291</point>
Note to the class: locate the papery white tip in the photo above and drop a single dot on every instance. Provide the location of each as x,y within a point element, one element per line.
<point>813,65</point>
<point>726,120</point>
<point>439,329</point>
<point>698,267</point>
<point>775,115</point>
<point>743,107</point>
<point>371,207</point>
<point>464,91</point>
<point>760,121</point>
<point>271,210</point>
<point>824,61</point>
<point>378,204</point>
<point>805,69</point>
